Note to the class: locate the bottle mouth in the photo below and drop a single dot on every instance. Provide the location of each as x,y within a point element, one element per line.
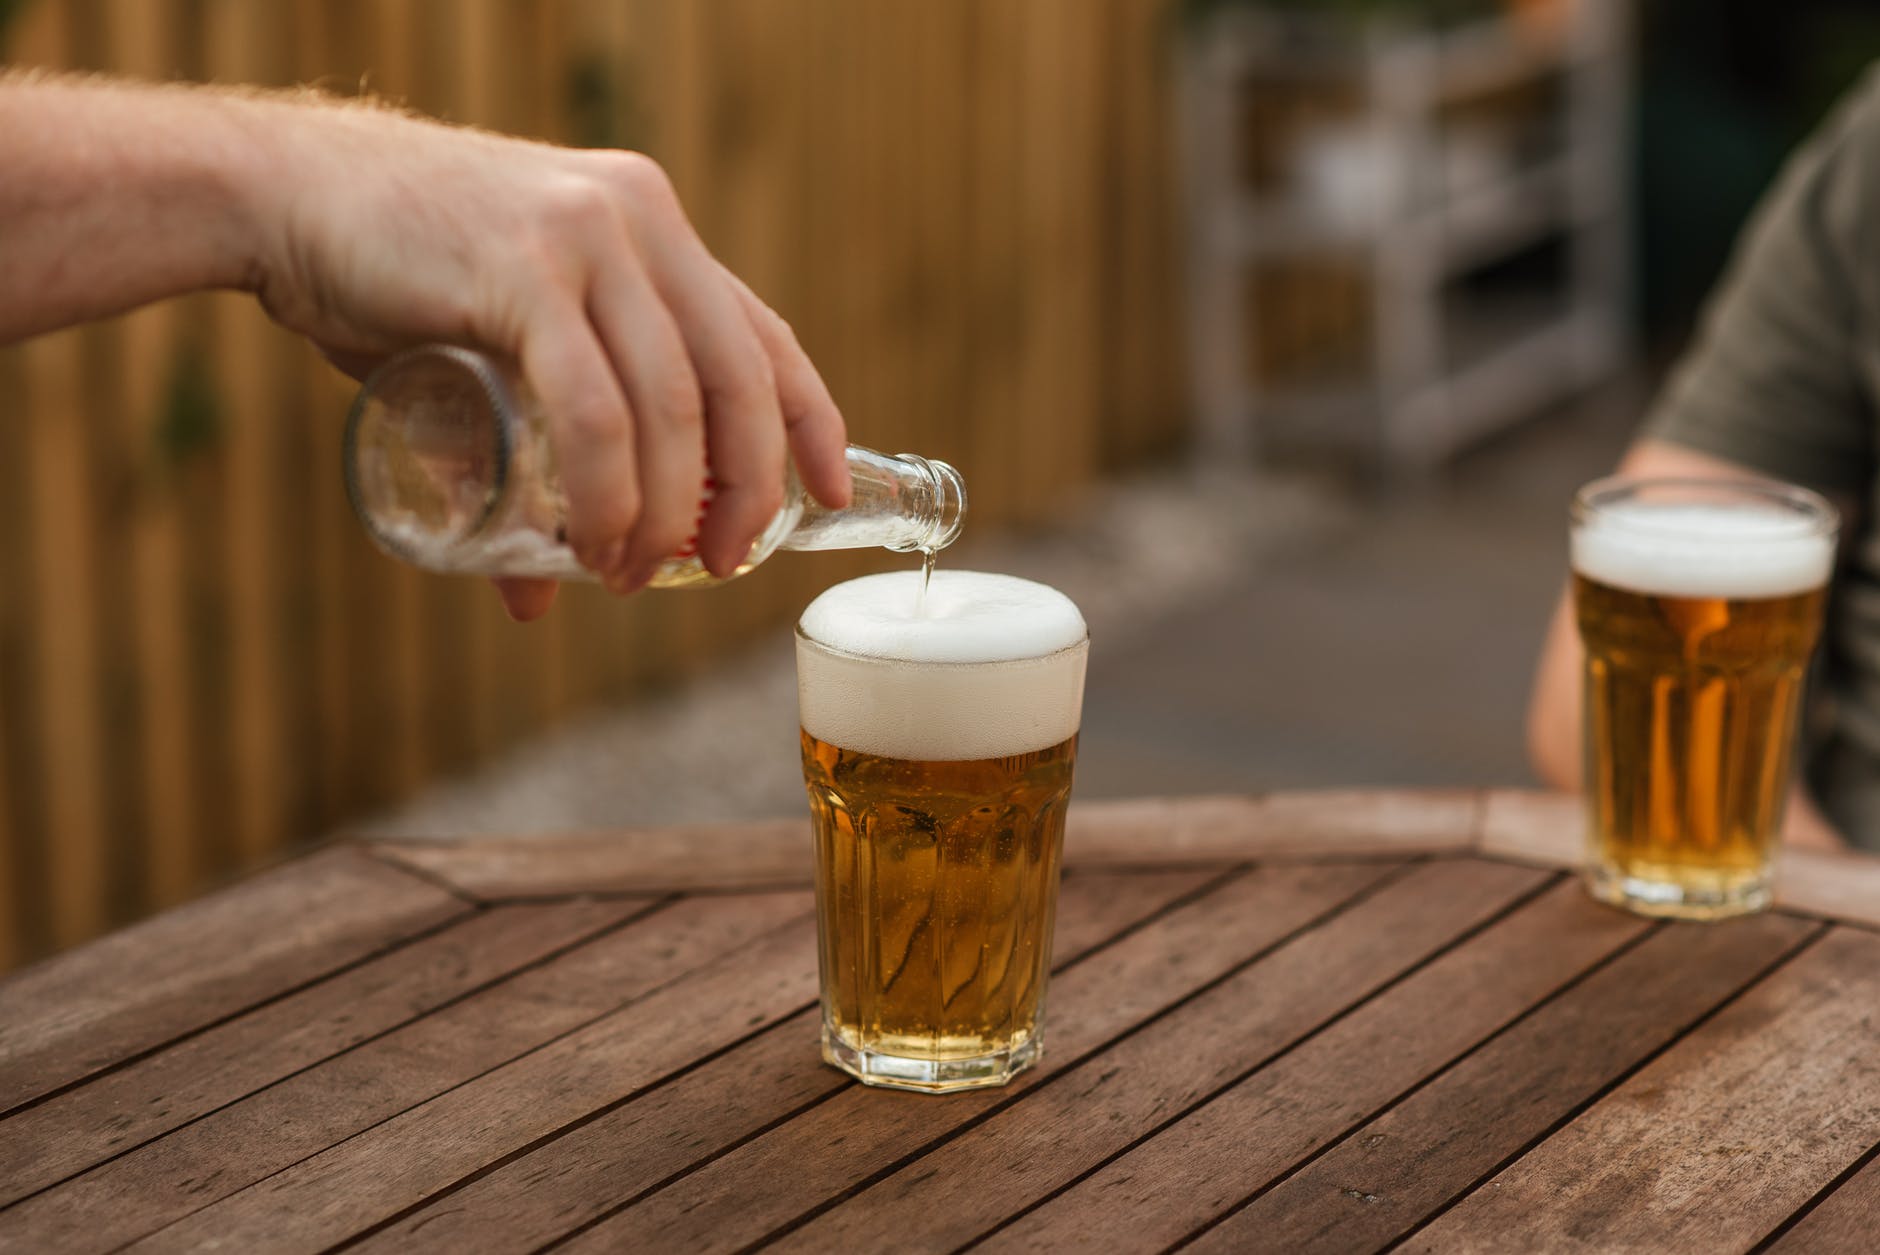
<point>427,450</point>
<point>952,489</point>
<point>949,505</point>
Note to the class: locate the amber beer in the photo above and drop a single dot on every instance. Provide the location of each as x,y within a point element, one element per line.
<point>1699,604</point>
<point>938,738</point>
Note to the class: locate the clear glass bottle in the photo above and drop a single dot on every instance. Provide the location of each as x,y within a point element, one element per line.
<point>449,466</point>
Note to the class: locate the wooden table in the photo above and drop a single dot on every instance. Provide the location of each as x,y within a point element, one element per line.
<point>1330,1022</point>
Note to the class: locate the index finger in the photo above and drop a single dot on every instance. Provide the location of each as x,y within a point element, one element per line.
<point>591,432</point>
<point>811,422</point>
<point>744,435</point>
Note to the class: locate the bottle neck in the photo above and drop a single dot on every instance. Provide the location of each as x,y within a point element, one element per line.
<point>901,502</point>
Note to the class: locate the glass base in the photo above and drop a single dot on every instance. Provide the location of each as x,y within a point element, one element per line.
<point>1715,899</point>
<point>930,1076</point>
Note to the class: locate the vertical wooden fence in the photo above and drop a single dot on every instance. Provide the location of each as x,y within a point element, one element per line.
<point>962,206</point>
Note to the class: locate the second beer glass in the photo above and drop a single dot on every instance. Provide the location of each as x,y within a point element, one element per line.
<point>1699,604</point>
<point>938,737</point>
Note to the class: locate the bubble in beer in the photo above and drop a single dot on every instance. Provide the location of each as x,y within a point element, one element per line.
<point>986,669</point>
<point>1687,549</point>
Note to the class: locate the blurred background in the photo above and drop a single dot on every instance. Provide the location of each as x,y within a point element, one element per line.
<point>1277,334</point>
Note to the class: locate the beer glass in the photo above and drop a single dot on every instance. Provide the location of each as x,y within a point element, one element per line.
<point>1699,603</point>
<point>939,730</point>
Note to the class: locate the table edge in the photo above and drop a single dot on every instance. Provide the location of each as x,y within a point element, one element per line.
<point>1513,824</point>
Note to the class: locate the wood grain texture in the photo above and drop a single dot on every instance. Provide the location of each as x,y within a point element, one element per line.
<point>1107,833</point>
<point>1314,824</point>
<point>1394,1171</point>
<point>1843,887</point>
<point>362,1088</point>
<point>1255,1055</point>
<point>1192,1171</point>
<point>778,1178</point>
<point>140,37</point>
<point>1550,829</point>
<point>1781,1089</point>
<point>1533,827</point>
<point>75,843</point>
<point>75,1130</point>
<point>390,1165</point>
<point>247,44</point>
<point>149,984</point>
<point>695,856</point>
<point>1299,1053</point>
<point>1841,1222</point>
<point>580,1176</point>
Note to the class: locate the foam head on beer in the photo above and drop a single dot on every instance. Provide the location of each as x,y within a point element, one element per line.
<point>984,666</point>
<point>1698,549</point>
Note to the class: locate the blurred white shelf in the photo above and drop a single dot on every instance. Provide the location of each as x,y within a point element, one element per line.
<point>1418,200</point>
<point>1470,59</point>
<point>1476,226</point>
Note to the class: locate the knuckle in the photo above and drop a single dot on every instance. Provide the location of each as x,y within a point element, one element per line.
<point>781,329</point>
<point>750,386</point>
<point>640,176</point>
<point>614,514</point>
<point>658,536</point>
<point>754,503</point>
<point>622,514</point>
<point>580,207</point>
<point>591,426</point>
<point>677,401</point>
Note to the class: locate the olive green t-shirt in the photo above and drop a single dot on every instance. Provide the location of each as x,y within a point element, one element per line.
<point>1784,377</point>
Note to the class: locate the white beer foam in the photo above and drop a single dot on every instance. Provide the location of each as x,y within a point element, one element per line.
<point>990,666</point>
<point>1696,550</point>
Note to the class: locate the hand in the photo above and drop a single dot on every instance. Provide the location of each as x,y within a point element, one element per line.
<point>653,362</point>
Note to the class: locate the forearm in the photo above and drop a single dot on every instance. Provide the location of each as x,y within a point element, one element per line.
<point>367,229</point>
<point>1553,725</point>
<point>116,194</point>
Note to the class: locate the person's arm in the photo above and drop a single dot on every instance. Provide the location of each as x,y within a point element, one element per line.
<point>116,197</point>
<point>367,230</point>
<point>1771,388</point>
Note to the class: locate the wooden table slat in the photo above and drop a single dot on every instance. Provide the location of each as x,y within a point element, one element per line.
<point>1183,830</point>
<point>1842,887</point>
<point>698,856</point>
<point>1186,1048</point>
<point>402,1161</point>
<point>576,1177</point>
<point>96,1006</point>
<point>1165,1188</point>
<point>1393,1172</point>
<point>1550,829</point>
<point>1841,1223</point>
<point>1300,1022</point>
<point>248,1141</point>
<point>1327,824</point>
<point>77,1129</point>
<point>1782,1088</point>
<point>975,1182</point>
<point>1533,827</point>
<point>343,1190</point>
